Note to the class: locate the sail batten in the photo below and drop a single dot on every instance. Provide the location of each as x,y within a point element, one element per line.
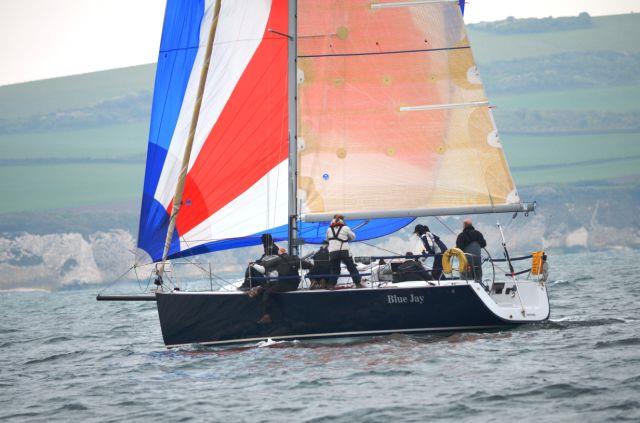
<point>443,106</point>
<point>409,3</point>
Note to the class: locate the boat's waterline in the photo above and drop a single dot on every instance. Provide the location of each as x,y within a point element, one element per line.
<point>333,335</point>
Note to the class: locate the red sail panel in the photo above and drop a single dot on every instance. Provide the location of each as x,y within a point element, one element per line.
<point>250,136</point>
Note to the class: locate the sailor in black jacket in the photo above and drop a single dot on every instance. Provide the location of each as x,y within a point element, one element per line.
<point>288,278</point>
<point>319,273</point>
<point>472,242</point>
<point>432,245</point>
<point>468,235</point>
<point>255,273</point>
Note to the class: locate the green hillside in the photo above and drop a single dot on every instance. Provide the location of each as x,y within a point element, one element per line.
<point>111,142</point>
<point>567,159</point>
<point>607,99</point>
<point>80,141</point>
<point>72,92</point>
<point>54,186</point>
<point>618,33</point>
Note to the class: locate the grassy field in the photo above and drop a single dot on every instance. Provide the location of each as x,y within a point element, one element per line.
<point>39,188</point>
<point>618,33</point>
<point>44,181</point>
<point>606,99</point>
<point>110,142</point>
<point>567,159</point>
<point>582,173</point>
<point>73,92</point>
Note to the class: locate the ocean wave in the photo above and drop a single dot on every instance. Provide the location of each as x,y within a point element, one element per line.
<point>583,278</point>
<point>559,390</point>
<point>53,357</point>
<point>573,322</point>
<point>268,343</point>
<point>56,339</point>
<point>618,343</point>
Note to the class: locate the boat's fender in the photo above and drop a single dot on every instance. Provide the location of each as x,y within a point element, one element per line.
<point>536,262</point>
<point>448,255</point>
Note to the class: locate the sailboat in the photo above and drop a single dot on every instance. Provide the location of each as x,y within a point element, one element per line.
<point>272,116</point>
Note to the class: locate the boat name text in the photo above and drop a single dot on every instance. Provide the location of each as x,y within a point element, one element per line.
<point>401,299</point>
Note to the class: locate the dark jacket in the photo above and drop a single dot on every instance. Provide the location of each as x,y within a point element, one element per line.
<point>468,236</point>
<point>288,265</point>
<point>321,264</point>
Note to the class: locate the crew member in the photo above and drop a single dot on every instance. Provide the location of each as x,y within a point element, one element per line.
<point>321,267</point>
<point>339,235</point>
<point>287,280</point>
<point>256,271</point>
<point>432,245</point>
<point>472,242</point>
<point>412,270</point>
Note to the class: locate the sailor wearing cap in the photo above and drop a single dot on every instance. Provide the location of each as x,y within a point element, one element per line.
<point>433,245</point>
<point>339,235</point>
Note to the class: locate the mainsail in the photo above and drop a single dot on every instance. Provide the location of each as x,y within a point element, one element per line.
<point>236,185</point>
<point>394,120</point>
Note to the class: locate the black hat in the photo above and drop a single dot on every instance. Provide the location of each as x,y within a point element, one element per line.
<point>420,229</point>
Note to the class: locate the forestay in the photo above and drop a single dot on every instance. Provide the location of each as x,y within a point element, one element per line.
<point>237,176</point>
<point>394,120</point>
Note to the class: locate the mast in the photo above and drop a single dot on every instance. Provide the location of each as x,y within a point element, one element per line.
<point>293,126</point>
<point>177,198</point>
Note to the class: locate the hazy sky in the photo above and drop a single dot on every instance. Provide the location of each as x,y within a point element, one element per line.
<point>48,38</point>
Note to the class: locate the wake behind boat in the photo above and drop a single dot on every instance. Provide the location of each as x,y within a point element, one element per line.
<point>272,117</point>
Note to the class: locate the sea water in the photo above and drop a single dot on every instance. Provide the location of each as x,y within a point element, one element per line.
<point>66,357</point>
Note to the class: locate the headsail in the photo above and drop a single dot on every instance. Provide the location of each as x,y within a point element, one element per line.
<point>394,120</point>
<point>236,181</point>
<point>237,177</point>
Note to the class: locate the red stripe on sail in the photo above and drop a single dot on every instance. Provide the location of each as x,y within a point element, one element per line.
<point>251,135</point>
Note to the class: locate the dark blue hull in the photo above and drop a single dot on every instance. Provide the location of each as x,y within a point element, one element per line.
<point>217,318</point>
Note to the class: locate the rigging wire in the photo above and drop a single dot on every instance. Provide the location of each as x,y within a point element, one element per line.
<point>118,279</point>
<point>445,225</point>
<point>197,265</point>
<point>380,248</point>
<point>135,270</point>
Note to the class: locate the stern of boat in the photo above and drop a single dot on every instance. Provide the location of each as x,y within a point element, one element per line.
<point>517,301</point>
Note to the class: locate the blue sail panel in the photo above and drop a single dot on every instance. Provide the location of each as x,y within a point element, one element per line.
<point>311,233</point>
<point>178,48</point>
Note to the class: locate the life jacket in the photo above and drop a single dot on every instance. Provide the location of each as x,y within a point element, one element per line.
<point>427,245</point>
<point>436,241</point>
<point>433,244</point>
<point>336,235</point>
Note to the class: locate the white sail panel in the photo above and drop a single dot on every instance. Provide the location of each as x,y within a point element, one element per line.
<point>246,214</point>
